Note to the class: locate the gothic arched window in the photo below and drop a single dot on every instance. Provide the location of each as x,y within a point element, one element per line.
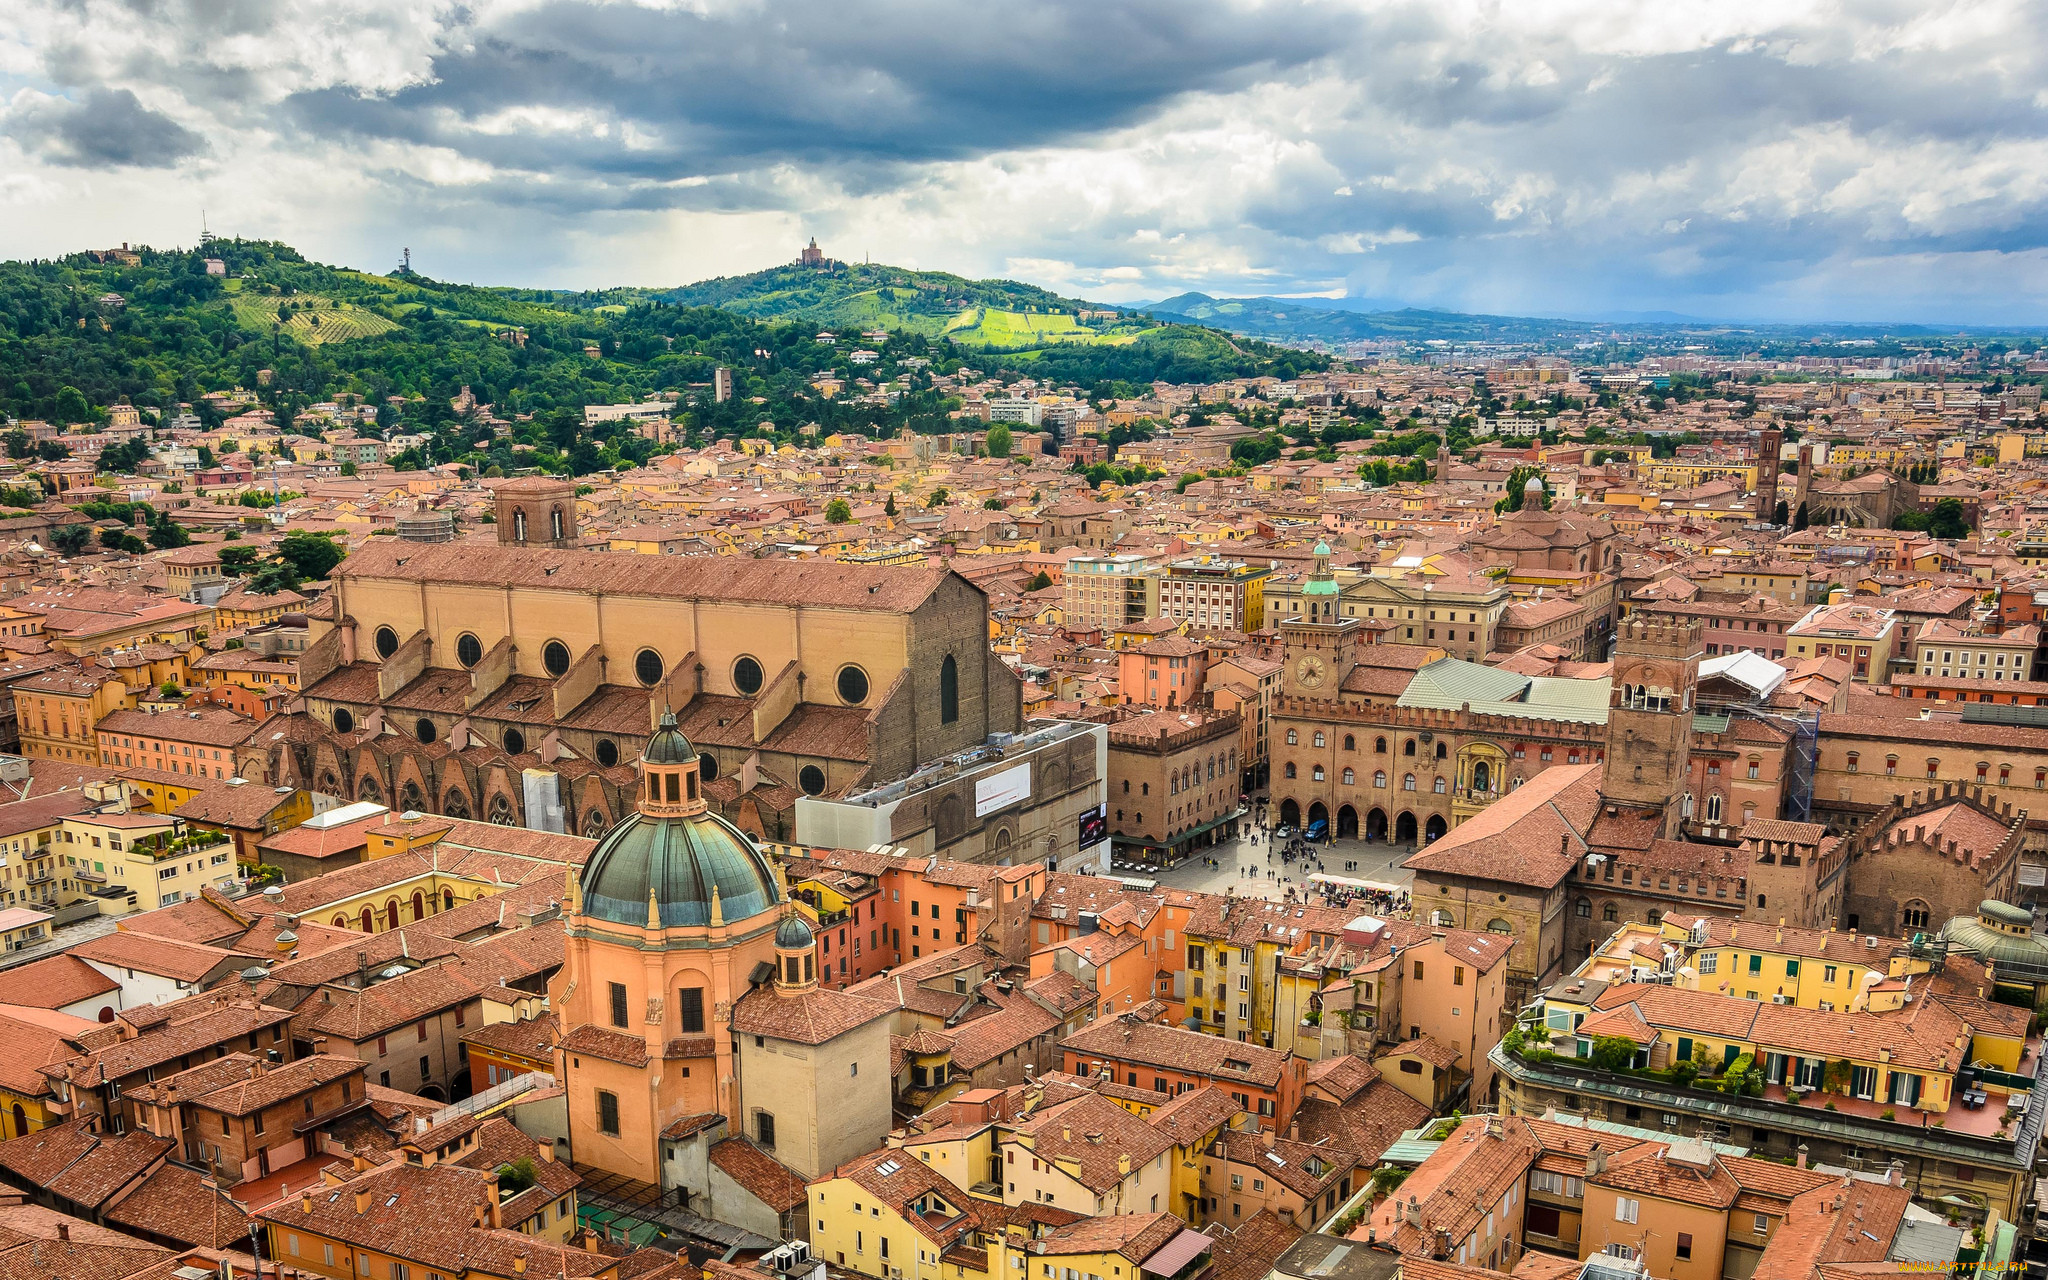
<point>949,691</point>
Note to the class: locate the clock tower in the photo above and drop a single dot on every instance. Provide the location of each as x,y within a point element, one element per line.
<point>1319,643</point>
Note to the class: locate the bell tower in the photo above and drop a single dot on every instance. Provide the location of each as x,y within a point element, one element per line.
<point>1649,716</point>
<point>536,511</point>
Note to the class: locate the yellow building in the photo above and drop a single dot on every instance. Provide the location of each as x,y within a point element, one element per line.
<point>157,858</point>
<point>35,1037</point>
<point>1683,473</point>
<point>57,712</point>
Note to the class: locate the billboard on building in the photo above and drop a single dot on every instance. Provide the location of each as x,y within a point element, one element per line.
<point>1001,790</point>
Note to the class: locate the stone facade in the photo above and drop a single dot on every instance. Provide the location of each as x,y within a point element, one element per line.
<point>516,684</point>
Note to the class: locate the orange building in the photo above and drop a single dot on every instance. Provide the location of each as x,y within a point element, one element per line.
<point>689,988</point>
<point>1265,1082</point>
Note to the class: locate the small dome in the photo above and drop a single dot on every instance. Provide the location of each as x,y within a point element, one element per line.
<point>794,934</point>
<point>1322,548</point>
<point>669,746</point>
<point>1534,486</point>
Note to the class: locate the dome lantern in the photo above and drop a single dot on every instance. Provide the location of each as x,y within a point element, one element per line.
<point>673,863</point>
<point>795,954</point>
<point>671,785</point>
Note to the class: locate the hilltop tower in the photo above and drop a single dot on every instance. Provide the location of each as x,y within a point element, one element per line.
<point>1649,717</point>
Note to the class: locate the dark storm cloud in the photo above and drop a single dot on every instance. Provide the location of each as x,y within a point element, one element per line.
<point>664,94</point>
<point>107,127</point>
<point>1455,152</point>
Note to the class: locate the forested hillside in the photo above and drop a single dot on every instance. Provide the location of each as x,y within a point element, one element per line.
<point>81,333</point>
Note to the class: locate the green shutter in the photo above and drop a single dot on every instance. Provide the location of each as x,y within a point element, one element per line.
<point>1685,1048</point>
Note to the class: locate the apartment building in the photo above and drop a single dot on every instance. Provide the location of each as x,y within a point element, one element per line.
<point>200,743</point>
<point>242,1116</point>
<point>1944,650</point>
<point>1211,591</point>
<point>1857,633</point>
<point>1108,591</point>
<point>1920,1070</point>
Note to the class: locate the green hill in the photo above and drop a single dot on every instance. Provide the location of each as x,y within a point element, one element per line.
<point>1002,322</point>
<point>159,329</point>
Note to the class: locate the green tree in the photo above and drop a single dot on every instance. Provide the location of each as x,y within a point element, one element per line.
<point>838,512</point>
<point>236,561</point>
<point>999,441</point>
<point>310,555</point>
<point>70,539</point>
<point>72,407</point>
<point>1612,1053</point>
<point>1779,514</point>
<point>938,497</point>
<point>166,533</point>
<point>992,504</point>
<point>1799,518</point>
<point>1039,581</point>
<point>272,578</point>
<point>889,507</point>
<point>1949,521</point>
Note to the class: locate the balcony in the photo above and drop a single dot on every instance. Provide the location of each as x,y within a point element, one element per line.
<point>1958,1134</point>
<point>1467,801</point>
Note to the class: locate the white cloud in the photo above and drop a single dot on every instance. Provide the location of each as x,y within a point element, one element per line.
<point>1551,155</point>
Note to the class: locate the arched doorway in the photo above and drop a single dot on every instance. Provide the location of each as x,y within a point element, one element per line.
<point>369,921</point>
<point>1318,813</point>
<point>447,899</point>
<point>419,905</point>
<point>1290,813</point>
<point>1437,826</point>
<point>1376,823</point>
<point>20,1121</point>
<point>391,913</point>
<point>1404,828</point>
<point>1347,822</point>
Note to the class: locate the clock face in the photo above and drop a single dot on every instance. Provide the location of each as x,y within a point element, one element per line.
<point>1309,671</point>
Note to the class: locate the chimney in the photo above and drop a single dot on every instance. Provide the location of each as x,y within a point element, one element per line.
<point>1266,1138</point>
<point>362,970</point>
<point>1802,1155</point>
<point>362,1203</point>
<point>1414,1212</point>
<point>519,1264</point>
<point>1123,1165</point>
<point>64,1231</point>
<point>305,1203</point>
<point>1895,1173</point>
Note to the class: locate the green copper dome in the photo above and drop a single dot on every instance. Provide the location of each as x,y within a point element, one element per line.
<point>681,860</point>
<point>794,934</point>
<point>668,745</point>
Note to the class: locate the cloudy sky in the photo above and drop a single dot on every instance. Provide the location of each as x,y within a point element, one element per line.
<point>1793,159</point>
